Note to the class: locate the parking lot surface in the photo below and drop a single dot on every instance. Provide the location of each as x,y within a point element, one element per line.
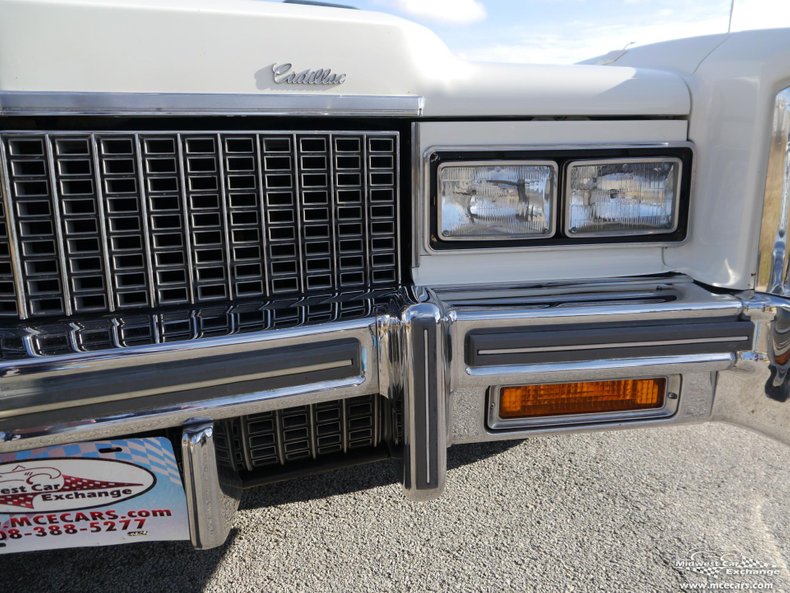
<point>614,511</point>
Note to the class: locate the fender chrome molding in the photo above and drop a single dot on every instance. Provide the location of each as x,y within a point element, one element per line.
<point>774,264</point>
<point>142,104</point>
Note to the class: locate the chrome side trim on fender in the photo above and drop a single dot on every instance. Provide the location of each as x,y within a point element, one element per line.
<point>115,104</point>
<point>774,264</point>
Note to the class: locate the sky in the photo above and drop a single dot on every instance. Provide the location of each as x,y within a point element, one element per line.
<point>568,31</point>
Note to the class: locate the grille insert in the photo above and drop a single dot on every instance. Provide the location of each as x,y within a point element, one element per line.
<point>111,221</point>
<point>271,440</point>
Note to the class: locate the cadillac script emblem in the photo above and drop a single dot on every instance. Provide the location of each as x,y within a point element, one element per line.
<point>286,74</point>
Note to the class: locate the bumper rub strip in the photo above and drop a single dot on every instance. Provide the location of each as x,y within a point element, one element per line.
<point>160,382</point>
<point>549,344</point>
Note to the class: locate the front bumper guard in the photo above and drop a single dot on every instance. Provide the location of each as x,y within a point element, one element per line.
<point>443,352</point>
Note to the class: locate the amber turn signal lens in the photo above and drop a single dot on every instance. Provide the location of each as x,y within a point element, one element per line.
<point>591,397</point>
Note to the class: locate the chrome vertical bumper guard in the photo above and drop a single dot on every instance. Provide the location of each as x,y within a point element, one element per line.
<point>211,501</point>
<point>425,398</point>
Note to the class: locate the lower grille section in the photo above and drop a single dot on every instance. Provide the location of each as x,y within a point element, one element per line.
<point>98,222</point>
<point>272,443</point>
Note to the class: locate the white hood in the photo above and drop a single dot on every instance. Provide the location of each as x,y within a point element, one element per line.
<point>231,47</point>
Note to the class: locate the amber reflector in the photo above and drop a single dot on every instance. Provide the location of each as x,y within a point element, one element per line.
<point>782,359</point>
<point>558,399</point>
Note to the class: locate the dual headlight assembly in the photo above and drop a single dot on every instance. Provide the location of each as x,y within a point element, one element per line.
<point>500,199</point>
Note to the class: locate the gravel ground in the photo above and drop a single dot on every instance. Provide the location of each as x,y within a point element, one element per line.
<point>604,512</point>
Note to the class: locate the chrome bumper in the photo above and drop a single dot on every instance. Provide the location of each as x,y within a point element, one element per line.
<point>444,352</point>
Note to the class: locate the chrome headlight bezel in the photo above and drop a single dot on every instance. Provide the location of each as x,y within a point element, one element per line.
<point>681,152</point>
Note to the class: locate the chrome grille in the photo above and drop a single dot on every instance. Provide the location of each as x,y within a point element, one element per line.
<point>113,221</point>
<point>280,437</point>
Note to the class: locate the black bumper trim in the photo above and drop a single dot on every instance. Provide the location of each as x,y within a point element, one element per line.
<point>547,344</point>
<point>164,384</point>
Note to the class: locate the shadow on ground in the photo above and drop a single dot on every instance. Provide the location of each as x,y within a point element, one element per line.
<point>364,477</point>
<point>175,566</point>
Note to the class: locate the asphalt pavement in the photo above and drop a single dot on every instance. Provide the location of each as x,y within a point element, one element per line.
<point>614,511</point>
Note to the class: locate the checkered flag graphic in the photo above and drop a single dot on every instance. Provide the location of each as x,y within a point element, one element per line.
<point>752,563</point>
<point>70,484</point>
<point>155,453</point>
<point>708,571</point>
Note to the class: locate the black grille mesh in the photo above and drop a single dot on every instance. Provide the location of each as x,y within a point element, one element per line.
<point>116,221</point>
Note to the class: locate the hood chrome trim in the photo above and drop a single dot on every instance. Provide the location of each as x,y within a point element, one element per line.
<point>140,104</point>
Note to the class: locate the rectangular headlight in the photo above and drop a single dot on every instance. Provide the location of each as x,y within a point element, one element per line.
<point>637,196</point>
<point>496,200</point>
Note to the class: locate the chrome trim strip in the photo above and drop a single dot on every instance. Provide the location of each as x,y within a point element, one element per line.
<point>183,195</point>
<point>773,263</point>
<point>13,240</point>
<point>145,216</point>
<point>57,221</point>
<point>103,223</point>
<point>297,189</point>
<point>225,212</point>
<point>613,345</point>
<point>286,104</point>
<point>596,369</point>
<point>210,507</point>
<point>427,387</point>
<point>514,317</point>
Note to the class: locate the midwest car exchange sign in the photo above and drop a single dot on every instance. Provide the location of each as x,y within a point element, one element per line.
<point>91,494</point>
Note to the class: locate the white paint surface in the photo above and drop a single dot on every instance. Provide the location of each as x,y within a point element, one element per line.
<point>204,46</point>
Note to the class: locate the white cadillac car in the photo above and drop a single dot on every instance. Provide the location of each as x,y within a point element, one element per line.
<point>245,241</point>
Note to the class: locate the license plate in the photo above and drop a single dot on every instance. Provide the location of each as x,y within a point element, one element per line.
<point>91,494</point>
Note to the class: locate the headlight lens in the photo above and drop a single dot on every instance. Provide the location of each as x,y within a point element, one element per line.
<point>622,197</point>
<point>501,201</point>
